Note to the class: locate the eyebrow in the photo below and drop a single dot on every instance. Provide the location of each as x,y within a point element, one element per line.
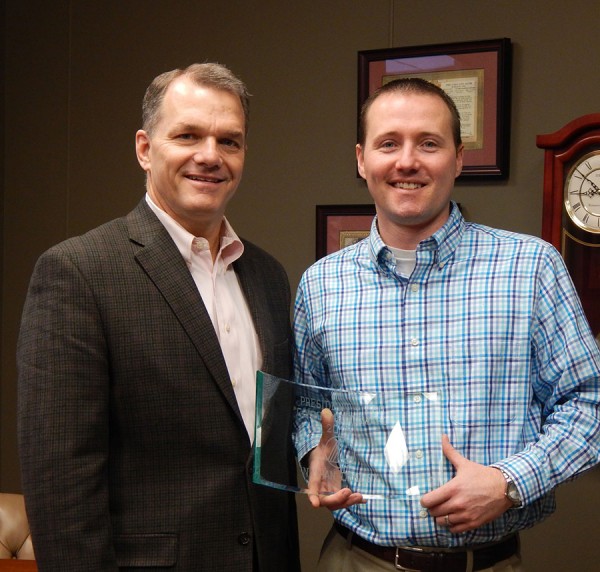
<point>420,135</point>
<point>232,133</point>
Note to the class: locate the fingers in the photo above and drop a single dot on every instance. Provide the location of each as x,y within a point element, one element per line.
<point>473,497</point>
<point>449,521</point>
<point>325,477</point>
<point>343,498</point>
<point>455,523</point>
<point>314,499</point>
<point>444,521</point>
<point>435,499</point>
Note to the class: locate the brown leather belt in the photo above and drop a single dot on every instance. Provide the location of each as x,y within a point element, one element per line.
<point>431,560</point>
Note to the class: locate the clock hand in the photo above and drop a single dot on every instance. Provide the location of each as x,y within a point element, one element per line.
<point>591,192</point>
<point>595,190</point>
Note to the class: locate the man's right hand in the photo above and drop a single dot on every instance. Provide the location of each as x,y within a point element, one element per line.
<point>325,477</point>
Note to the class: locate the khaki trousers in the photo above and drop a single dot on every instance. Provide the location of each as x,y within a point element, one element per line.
<point>338,556</point>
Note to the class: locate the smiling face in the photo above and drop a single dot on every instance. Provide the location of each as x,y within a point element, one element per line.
<point>409,160</point>
<point>194,155</point>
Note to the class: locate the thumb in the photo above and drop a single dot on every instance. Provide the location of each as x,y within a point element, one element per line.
<point>327,423</point>
<point>451,453</point>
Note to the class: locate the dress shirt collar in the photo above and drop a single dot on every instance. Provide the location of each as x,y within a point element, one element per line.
<point>231,246</point>
<point>444,241</point>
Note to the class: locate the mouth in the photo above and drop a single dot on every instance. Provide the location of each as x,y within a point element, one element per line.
<point>407,186</point>
<point>204,179</point>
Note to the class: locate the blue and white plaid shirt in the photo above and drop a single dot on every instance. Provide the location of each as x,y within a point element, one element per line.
<point>490,319</point>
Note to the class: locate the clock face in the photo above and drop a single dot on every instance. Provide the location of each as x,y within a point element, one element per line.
<point>582,192</point>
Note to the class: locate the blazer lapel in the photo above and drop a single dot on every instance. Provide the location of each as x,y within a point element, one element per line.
<point>250,282</point>
<point>165,267</point>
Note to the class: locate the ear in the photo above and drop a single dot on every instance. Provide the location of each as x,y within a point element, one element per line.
<point>142,149</point>
<point>360,160</point>
<point>459,160</point>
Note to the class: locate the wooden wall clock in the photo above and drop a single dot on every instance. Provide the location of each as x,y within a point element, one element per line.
<point>571,209</point>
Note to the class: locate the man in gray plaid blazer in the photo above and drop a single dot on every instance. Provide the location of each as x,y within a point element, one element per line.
<point>137,353</point>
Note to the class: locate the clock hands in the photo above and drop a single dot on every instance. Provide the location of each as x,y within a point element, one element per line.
<point>595,190</point>
<point>591,192</point>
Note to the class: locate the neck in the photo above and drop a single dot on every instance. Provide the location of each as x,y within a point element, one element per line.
<point>408,236</point>
<point>403,238</point>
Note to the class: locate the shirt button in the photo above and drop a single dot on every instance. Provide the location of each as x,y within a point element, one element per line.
<point>414,342</point>
<point>233,382</point>
<point>423,513</point>
<point>414,287</point>
<point>419,454</point>
<point>417,399</point>
<point>244,539</point>
<point>199,244</point>
<point>227,328</point>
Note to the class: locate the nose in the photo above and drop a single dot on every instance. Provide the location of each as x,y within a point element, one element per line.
<point>207,153</point>
<point>406,158</point>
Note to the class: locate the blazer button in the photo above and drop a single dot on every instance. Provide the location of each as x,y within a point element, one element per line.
<point>244,539</point>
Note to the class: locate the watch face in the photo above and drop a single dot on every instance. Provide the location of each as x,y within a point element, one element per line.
<point>513,494</point>
<point>582,192</point>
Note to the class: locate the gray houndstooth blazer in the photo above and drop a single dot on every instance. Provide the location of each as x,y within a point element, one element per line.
<point>133,451</point>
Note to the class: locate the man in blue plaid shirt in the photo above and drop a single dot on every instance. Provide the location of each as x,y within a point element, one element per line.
<point>486,318</point>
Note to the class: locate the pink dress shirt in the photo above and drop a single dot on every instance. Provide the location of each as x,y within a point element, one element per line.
<point>226,305</point>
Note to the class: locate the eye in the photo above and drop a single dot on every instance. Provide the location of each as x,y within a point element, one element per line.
<point>232,144</point>
<point>186,136</point>
<point>430,145</point>
<point>388,145</point>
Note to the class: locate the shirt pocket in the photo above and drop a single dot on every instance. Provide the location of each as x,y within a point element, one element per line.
<point>486,384</point>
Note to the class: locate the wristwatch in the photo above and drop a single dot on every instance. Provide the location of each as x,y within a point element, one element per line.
<point>512,493</point>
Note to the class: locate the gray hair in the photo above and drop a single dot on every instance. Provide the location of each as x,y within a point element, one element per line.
<point>212,75</point>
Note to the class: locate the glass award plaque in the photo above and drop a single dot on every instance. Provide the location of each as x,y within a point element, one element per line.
<point>381,444</point>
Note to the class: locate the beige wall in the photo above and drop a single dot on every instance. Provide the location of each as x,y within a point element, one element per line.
<point>76,72</point>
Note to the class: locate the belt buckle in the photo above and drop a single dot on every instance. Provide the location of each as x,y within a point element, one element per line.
<point>399,566</point>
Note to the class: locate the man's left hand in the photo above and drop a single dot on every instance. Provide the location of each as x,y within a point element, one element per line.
<point>474,497</point>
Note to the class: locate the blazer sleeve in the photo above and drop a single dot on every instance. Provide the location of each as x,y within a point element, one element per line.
<point>63,390</point>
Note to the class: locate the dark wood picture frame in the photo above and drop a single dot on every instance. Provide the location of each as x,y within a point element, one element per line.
<point>476,74</point>
<point>341,225</point>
